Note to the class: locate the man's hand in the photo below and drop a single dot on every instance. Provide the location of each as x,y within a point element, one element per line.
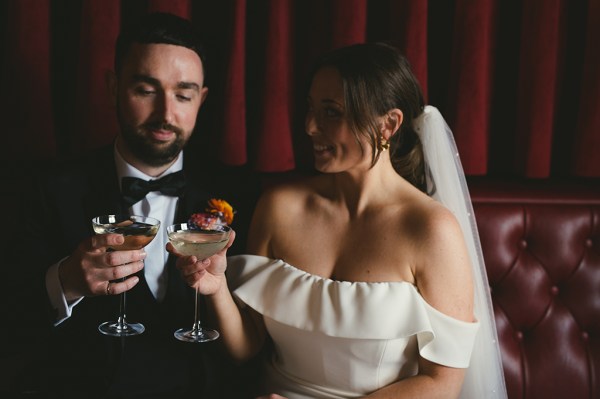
<point>206,275</point>
<point>92,267</point>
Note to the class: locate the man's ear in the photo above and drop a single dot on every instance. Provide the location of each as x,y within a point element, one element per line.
<point>391,123</point>
<point>110,79</point>
<point>203,94</point>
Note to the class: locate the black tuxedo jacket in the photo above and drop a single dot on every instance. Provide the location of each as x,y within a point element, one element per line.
<point>74,359</point>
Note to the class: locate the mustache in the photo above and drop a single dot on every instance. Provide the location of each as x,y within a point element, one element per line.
<point>162,126</point>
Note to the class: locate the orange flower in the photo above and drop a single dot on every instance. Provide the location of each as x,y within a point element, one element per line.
<point>222,209</point>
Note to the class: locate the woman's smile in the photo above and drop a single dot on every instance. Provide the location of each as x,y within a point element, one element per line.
<point>320,149</point>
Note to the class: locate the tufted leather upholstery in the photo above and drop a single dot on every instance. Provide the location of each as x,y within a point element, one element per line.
<point>541,245</point>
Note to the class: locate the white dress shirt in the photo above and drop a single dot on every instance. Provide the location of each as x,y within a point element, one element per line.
<point>156,205</point>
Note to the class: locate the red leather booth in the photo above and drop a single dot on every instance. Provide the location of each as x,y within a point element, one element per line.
<point>541,244</point>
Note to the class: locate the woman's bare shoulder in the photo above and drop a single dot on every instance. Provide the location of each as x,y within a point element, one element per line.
<point>293,193</point>
<point>442,266</point>
<point>279,208</point>
<point>428,219</point>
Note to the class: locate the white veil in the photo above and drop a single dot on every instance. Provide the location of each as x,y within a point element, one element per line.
<point>446,183</point>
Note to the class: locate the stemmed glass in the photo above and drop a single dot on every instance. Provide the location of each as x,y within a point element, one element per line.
<point>189,240</point>
<point>138,231</point>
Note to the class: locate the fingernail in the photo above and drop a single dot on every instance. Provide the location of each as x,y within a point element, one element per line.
<point>144,254</point>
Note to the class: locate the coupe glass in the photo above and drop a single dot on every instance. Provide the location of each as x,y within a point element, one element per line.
<point>202,243</point>
<point>138,231</point>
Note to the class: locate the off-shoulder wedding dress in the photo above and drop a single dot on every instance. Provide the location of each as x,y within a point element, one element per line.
<point>336,339</point>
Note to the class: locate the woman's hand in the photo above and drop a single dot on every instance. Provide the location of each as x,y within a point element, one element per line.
<point>206,275</point>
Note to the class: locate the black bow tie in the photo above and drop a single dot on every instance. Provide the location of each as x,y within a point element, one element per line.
<point>134,189</point>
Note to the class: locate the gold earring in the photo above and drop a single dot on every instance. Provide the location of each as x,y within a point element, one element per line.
<point>384,145</point>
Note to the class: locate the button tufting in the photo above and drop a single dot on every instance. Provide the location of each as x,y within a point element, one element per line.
<point>584,335</point>
<point>523,244</point>
<point>519,335</point>
<point>589,243</point>
<point>554,290</point>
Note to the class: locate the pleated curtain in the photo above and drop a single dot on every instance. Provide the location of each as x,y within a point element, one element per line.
<point>518,82</point>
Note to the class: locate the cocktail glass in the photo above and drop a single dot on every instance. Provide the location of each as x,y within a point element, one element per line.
<point>138,231</point>
<point>190,240</point>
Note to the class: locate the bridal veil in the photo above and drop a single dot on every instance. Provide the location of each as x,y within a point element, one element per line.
<point>446,183</point>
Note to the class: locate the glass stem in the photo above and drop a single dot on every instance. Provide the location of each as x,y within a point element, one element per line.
<point>197,328</point>
<point>121,321</point>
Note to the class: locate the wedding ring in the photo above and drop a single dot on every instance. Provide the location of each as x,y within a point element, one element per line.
<point>108,288</point>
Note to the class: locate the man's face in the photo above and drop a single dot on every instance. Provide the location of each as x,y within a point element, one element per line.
<point>159,91</point>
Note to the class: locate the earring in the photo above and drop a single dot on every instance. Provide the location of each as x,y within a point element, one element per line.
<point>384,145</point>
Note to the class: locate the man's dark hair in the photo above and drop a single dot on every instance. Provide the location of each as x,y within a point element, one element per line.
<point>159,28</point>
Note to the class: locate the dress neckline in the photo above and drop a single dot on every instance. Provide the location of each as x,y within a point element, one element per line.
<point>297,270</point>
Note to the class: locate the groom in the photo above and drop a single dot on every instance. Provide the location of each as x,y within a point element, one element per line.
<point>158,88</point>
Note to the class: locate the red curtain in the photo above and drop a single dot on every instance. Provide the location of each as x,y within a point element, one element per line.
<point>93,110</point>
<point>588,118</point>
<point>26,105</point>
<point>518,82</point>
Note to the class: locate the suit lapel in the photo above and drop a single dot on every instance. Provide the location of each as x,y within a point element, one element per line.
<point>104,198</point>
<point>103,195</point>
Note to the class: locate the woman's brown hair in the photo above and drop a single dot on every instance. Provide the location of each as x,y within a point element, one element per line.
<point>378,78</point>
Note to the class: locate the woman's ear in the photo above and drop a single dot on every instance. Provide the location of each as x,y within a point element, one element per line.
<point>391,123</point>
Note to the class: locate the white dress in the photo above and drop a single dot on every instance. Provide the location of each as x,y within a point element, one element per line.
<point>336,339</point>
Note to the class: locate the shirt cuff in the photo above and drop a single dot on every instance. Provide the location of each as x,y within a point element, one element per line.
<point>57,296</point>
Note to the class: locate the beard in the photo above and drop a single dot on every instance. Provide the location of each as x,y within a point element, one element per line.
<point>148,150</point>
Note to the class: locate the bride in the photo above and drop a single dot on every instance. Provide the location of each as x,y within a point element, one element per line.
<point>365,280</point>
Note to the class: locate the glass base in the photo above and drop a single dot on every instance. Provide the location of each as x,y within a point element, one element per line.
<point>201,335</point>
<point>115,329</point>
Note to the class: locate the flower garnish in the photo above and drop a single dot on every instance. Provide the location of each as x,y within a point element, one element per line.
<point>218,212</point>
<point>222,209</point>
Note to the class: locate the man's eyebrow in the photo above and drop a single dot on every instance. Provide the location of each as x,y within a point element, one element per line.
<point>146,79</point>
<point>189,85</point>
<point>155,82</point>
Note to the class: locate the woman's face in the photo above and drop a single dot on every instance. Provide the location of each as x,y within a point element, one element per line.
<point>335,147</point>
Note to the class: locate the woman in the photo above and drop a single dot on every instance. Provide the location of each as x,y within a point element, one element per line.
<point>361,280</point>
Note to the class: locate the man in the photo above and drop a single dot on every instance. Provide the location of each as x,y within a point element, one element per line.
<point>158,87</point>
